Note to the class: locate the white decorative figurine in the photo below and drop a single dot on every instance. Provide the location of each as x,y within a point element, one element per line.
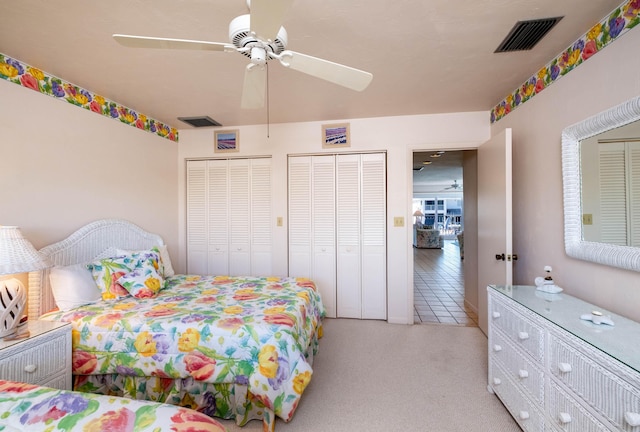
<point>546,284</point>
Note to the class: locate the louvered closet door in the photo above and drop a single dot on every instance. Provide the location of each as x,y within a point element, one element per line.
<point>634,192</point>
<point>197,217</point>
<point>374,249</point>
<point>312,251</point>
<point>349,298</point>
<point>299,183</point>
<point>239,218</point>
<point>260,211</point>
<point>323,222</point>
<point>218,215</point>
<point>613,208</point>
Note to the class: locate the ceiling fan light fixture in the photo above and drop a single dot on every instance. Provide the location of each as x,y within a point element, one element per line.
<point>426,163</point>
<point>436,155</point>
<point>242,38</point>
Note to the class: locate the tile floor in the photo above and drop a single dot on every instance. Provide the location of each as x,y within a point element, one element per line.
<point>439,287</point>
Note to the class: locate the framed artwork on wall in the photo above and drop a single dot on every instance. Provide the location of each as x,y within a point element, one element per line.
<point>335,135</point>
<point>227,141</point>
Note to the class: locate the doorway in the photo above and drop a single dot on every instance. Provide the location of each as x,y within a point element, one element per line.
<point>438,268</point>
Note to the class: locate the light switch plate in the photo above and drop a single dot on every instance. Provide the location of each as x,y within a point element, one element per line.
<point>398,221</point>
<point>279,221</point>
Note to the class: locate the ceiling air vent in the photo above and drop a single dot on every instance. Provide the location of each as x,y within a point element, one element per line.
<point>201,121</point>
<point>525,34</point>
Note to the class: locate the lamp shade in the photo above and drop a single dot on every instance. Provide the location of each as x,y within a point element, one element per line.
<point>418,213</point>
<point>17,255</point>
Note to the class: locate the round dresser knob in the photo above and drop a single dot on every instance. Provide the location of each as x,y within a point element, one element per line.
<point>632,419</point>
<point>524,415</point>
<point>523,373</point>
<point>523,335</point>
<point>496,314</point>
<point>30,368</point>
<point>564,367</point>
<point>564,417</point>
<point>497,348</point>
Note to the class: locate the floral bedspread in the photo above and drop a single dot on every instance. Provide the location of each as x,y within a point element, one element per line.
<point>27,407</point>
<point>245,330</point>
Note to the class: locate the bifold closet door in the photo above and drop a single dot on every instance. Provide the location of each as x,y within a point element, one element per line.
<point>337,230</point>
<point>312,224</point>
<point>361,236</point>
<point>374,236</point>
<point>229,217</point>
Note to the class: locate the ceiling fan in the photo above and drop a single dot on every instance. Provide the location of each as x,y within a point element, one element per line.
<point>454,186</point>
<point>260,36</point>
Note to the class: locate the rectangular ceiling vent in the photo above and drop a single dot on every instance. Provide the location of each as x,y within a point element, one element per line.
<point>201,121</point>
<point>525,34</point>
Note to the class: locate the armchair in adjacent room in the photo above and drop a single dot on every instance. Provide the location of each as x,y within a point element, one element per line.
<point>427,238</point>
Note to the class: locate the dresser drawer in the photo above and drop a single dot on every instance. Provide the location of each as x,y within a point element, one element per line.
<point>567,415</point>
<point>522,330</point>
<point>519,367</point>
<point>37,359</point>
<point>526,413</point>
<point>591,376</point>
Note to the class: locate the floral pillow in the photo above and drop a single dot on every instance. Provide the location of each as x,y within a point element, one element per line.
<point>144,280</point>
<point>165,270</point>
<point>106,273</point>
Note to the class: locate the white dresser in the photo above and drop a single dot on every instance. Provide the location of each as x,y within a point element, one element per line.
<point>556,372</point>
<point>43,358</point>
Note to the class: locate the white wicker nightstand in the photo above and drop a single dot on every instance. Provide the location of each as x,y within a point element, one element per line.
<point>44,357</point>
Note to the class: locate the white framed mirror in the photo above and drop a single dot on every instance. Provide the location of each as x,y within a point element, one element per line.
<point>622,255</point>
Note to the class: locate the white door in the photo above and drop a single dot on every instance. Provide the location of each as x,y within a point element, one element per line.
<point>260,209</point>
<point>495,265</point>
<point>348,185</point>
<point>217,195</point>
<point>196,217</point>
<point>239,218</point>
<point>374,254</point>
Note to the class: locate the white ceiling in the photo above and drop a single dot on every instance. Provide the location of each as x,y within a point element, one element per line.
<point>426,56</point>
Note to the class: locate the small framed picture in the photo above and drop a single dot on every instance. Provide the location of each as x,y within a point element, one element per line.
<point>227,141</point>
<point>335,135</point>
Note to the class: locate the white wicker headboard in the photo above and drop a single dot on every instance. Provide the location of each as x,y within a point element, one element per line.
<point>82,247</point>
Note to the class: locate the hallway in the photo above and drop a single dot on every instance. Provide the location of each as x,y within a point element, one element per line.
<point>439,287</point>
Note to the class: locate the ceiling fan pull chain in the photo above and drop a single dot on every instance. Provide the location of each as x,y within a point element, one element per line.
<point>267,66</point>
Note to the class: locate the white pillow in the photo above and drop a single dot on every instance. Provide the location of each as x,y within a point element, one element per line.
<point>73,286</point>
<point>166,261</point>
<point>164,257</point>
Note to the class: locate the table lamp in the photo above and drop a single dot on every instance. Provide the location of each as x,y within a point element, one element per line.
<point>418,214</point>
<point>17,255</point>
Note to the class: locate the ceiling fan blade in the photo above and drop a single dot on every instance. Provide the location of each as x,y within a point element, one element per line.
<point>336,73</point>
<point>255,84</point>
<point>267,17</point>
<point>157,42</point>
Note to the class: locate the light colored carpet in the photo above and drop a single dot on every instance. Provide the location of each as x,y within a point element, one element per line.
<point>373,376</point>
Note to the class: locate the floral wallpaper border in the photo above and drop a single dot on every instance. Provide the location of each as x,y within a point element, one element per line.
<point>32,78</point>
<point>621,20</point>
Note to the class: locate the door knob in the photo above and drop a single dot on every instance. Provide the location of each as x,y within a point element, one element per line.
<point>499,257</point>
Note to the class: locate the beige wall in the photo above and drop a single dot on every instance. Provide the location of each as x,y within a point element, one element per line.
<point>63,166</point>
<point>398,136</point>
<point>605,80</point>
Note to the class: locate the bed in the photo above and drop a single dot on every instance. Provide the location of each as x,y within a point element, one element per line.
<point>229,347</point>
<point>31,407</point>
